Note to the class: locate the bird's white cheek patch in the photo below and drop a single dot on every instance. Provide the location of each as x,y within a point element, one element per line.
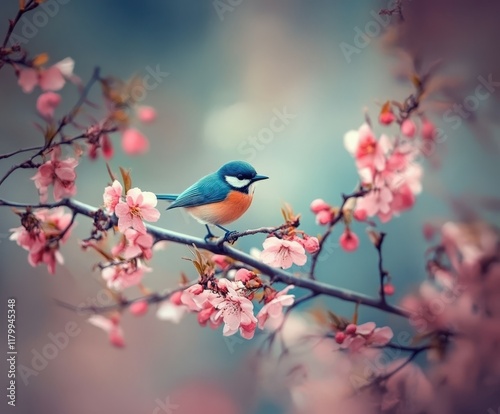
<point>236,182</point>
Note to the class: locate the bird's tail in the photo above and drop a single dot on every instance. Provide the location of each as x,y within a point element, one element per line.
<point>168,197</point>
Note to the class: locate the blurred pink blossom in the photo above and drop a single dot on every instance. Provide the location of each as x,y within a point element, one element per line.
<point>365,148</point>
<point>134,142</point>
<point>47,103</point>
<point>271,315</point>
<point>44,239</point>
<point>51,79</point>
<point>111,326</point>
<point>146,114</point>
<point>59,173</point>
<point>349,241</point>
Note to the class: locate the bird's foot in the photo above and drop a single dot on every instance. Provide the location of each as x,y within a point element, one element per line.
<point>230,236</point>
<point>209,235</point>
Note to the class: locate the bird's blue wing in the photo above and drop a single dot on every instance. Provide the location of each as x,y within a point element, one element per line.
<point>208,190</point>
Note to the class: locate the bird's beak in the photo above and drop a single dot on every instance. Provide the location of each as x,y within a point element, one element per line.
<point>259,177</point>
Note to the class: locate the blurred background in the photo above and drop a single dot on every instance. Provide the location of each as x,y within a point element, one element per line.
<point>222,71</point>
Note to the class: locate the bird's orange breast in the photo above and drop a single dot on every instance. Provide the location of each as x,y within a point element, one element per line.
<point>223,212</point>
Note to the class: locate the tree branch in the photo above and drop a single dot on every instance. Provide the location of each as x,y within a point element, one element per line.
<point>276,275</point>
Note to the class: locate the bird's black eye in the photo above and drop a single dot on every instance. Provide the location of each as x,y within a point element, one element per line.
<point>239,176</point>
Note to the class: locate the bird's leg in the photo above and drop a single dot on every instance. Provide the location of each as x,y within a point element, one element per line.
<point>229,235</point>
<point>209,235</point>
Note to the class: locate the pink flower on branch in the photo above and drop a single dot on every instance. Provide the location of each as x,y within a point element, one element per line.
<point>59,173</point>
<point>355,337</point>
<point>47,103</point>
<point>123,275</point>
<point>112,196</point>
<point>366,149</point>
<point>111,326</point>
<point>349,241</point>
<point>172,309</point>
<point>42,237</point>
<point>138,244</point>
<point>139,206</point>
<point>134,142</point>
<point>51,79</point>
<point>282,253</point>
<point>236,311</point>
<point>146,114</point>
<point>271,315</point>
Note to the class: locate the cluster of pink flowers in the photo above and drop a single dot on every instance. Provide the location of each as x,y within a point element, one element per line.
<point>41,235</point>
<point>284,252</point>
<point>135,244</point>
<point>137,206</point>
<point>125,274</point>
<point>49,80</point>
<point>354,337</point>
<point>227,302</point>
<point>388,168</point>
<point>58,173</point>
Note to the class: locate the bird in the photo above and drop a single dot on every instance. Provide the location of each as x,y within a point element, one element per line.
<point>218,198</point>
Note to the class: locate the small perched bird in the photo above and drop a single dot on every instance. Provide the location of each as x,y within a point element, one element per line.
<point>218,198</point>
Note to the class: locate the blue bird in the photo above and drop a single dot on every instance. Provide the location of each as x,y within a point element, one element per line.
<point>218,198</point>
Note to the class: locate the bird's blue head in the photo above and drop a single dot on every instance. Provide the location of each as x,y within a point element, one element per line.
<point>239,175</point>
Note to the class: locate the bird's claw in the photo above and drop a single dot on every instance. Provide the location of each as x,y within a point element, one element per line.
<point>230,236</point>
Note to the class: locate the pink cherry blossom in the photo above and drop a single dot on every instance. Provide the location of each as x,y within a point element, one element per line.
<point>123,275</point>
<point>112,196</point>
<point>236,311</point>
<point>139,308</point>
<point>364,335</point>
<point>195,296</point>
<point>386,118</point>
<point>59,173</point>
<point>311,244</point>
<point>43,238</point>
<point>111,326</point>
<point>138,244</point>
<point>172,309</point>
<point>283,253</point>
<point>139,205</point>
<point>349,241</point>
<point>428,130</point>
<point>365,148</point>
<point>206,314</point>
<point>134,142</point>
<point>104,143</point>
<point>378,200</point>
<point>146,114</point>
<point>271,314</point>
<point>319,205</point>
<point>243,275</point>
<point>360,214</point>
<point>324,217</point>
<point>51,79</point>
<point>221,261</point>
<point>389,289</point>
<point>408,128</point>
<point>47,103</point>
